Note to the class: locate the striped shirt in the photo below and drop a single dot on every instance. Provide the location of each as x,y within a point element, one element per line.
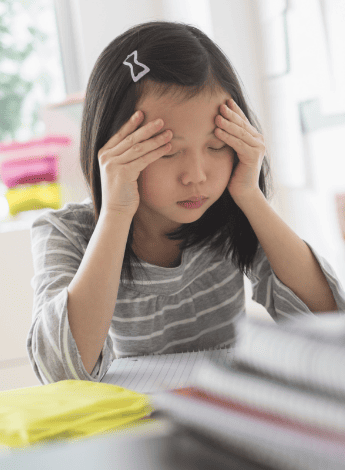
<point>194,306</point>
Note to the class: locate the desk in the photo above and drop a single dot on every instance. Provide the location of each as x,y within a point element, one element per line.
<point>157,445</point>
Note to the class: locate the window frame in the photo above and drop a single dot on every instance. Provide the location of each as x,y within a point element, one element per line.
<point>69,29</point>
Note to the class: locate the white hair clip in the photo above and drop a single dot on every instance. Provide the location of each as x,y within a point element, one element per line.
<point>141,74</point>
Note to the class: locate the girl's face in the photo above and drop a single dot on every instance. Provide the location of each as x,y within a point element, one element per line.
<point>201,164</point>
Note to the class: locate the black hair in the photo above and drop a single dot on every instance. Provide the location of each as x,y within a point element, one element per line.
<point>183,59</point>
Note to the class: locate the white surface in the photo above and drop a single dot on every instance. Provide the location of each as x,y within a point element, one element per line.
<point>18,377</point>
<point>16,295</point>
<point>196,12</point>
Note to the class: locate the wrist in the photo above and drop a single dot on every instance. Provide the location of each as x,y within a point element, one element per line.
<point>115,216</point>
<point>249,199</point>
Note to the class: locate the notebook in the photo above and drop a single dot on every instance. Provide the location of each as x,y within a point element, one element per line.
<point>157,373</point>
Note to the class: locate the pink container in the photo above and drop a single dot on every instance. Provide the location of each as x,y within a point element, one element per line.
<point>50,144</point>
<point>29,170</point>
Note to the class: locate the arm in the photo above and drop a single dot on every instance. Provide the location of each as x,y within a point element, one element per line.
<point>290,258</point>
<point>93,291</point>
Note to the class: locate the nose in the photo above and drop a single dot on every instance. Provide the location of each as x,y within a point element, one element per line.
<point>193,170</point>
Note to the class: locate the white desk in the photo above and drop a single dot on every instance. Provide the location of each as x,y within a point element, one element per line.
<point>157,446</point>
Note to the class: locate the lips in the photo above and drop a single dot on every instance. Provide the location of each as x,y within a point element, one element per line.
<point>195,199</point>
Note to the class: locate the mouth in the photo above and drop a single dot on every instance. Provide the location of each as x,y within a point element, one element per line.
<point>195,199</point>
<point>192,204</point>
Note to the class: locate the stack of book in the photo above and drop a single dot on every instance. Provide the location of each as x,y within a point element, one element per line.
<point>29,171</point>
<point>280,402</point>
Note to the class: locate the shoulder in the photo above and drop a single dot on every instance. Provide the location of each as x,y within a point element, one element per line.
<point>75,217</point>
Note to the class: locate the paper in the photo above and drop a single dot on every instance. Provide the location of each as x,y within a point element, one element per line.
<point>150,374</point>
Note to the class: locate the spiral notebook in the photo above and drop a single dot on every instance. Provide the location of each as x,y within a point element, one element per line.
<point>157,373</point>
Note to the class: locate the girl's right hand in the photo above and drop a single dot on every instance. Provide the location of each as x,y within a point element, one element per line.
<point>122,159</point>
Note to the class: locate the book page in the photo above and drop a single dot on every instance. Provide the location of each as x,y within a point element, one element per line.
<point>155,373</point>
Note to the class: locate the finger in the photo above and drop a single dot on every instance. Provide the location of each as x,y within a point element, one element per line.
<point>240,147</point>
<point>234,106</point>
<point>127,128</point>
<point>140,135</point>
<point>237,130</point>
<point>140,149</point>
<point>237,115</point>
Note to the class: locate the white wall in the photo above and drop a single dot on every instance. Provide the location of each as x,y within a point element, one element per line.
<point>308,163</point>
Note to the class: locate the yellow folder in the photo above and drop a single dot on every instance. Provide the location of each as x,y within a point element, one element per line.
<point>69,409</point>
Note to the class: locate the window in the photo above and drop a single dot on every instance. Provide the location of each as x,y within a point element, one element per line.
<point>31,73</point>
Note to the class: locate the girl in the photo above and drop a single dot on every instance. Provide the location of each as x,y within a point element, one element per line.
<point>165,122</point>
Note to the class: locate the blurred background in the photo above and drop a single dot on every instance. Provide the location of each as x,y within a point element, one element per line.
<point>289,56</point>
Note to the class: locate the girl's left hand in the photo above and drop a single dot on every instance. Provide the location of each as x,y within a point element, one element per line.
<point>235,130</point>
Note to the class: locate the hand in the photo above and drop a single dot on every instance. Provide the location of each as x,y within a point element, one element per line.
<point>123,157</point>
<point>236,131</point>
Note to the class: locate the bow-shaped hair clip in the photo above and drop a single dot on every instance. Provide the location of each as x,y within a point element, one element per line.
<point>142,73</point>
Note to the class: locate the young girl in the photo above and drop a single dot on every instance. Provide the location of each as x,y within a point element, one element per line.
<point>165,122</point>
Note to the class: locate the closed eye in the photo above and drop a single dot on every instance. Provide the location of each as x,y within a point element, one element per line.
<point>215,150</point>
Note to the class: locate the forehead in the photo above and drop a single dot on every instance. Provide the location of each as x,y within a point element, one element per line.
<point>175,109</point>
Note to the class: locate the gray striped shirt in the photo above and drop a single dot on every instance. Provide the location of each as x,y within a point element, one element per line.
<point>194,306</point>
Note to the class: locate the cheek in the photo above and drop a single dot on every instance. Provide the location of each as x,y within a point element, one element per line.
<point>224,169</point>
<point>224,172</point>
<point>152,184</point>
